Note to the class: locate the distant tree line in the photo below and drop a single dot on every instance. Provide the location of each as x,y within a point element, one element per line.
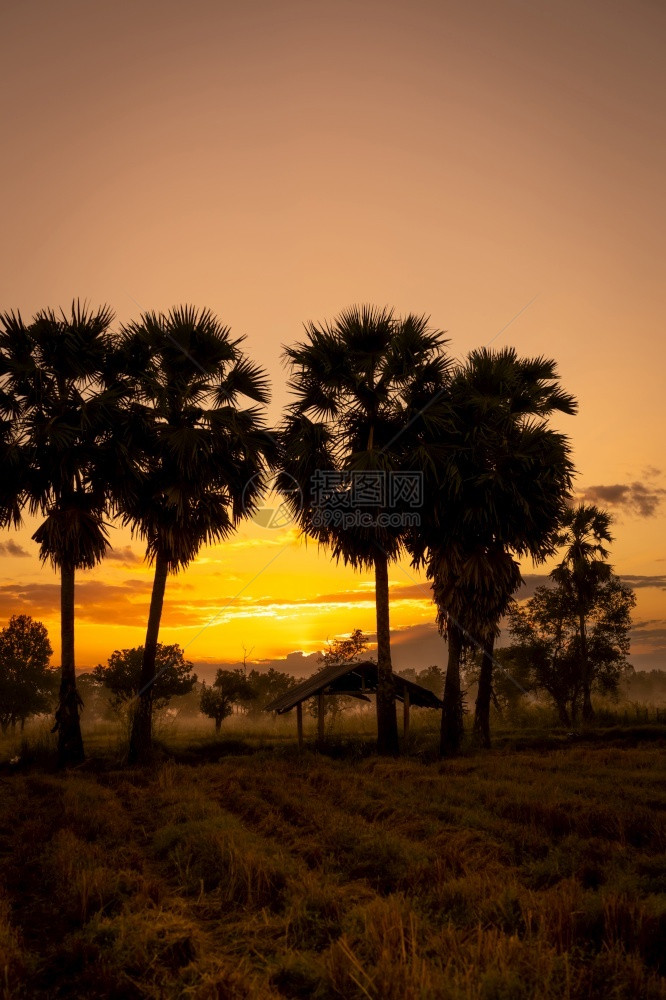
<point>160,424</point>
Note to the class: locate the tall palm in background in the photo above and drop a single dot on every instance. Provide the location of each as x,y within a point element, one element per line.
<point>360,384</point>
<point>497,495</point>
<point>197,458</point>
<point>63,414</point>
<point>585,531</point>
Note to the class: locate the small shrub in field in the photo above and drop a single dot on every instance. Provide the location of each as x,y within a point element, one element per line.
<point>314,916</point>
<point>135,954</point>
<point>380,955</point>
<point>212,854</point>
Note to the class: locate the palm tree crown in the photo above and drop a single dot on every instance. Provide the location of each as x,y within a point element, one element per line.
<point>497,495</point>
<point>58,421</point>
<point>361,384</point>
<point>584,532</point>
<point>197,458</point>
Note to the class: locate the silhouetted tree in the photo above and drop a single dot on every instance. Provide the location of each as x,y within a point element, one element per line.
<point>199,458</point>
<point>585,530</point>
<point>547,634</point>
<point>53,372</point>
<point>497,493</point>
<point>431,677</point>
<point>339,651</point>
<point>360,384</point>
<point>513,678</point>
<point>231,687</point>
<point>27,682</point>
<point>122,674</point>
<point>266,686</point>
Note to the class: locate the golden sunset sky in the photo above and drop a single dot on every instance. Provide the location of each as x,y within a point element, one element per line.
<point>498,165</point>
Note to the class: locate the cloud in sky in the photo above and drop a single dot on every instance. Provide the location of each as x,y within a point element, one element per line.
<point>95,601</point>
<point>297,663</point>
<point>640,498</point>
<point>637,582</point>
<point>12,548</point>
<point>126,555</point>
<point>418,645</point>
<point>648,645</point>
<point>415,646</point>
<point>126,603</point>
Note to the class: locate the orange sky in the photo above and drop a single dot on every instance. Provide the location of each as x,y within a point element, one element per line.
<point>277,162</point>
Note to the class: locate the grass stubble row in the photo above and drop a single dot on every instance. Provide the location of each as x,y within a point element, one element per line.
<point>500,876</point>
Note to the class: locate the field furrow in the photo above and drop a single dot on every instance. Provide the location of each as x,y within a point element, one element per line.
<point>271,875</point>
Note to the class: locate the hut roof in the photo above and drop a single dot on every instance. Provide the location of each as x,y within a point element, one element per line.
<point>355,679</point>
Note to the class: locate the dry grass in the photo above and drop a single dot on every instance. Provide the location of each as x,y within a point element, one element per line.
<point>498,876</point>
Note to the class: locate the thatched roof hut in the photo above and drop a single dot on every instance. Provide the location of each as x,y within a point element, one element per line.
<point>356,680</point>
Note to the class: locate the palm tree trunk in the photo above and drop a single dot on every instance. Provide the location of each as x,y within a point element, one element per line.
<point>588,711</point>
<point>452,715</point>
<point>68,724</point>
<point>387,722</point>
<point>142,725</point>
<point>482,709</point>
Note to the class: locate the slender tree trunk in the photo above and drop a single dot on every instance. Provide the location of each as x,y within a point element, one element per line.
<point>68,723</point>
<point>563,714</point>
<point>387,722</point>
<point>482,710</point>
<point>141,739</point>
<point>574,710</point>
<point>452,715</point>
<point>588,711</point>
<point>218,725</point>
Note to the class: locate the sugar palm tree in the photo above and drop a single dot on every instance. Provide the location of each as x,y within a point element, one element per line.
<point>472,588</point>
<point>62,413</point>
<point>497,496</point>
<point>12,454</point>
<point>197,458</point>
<point>360,384</point>
<point>585,531</point>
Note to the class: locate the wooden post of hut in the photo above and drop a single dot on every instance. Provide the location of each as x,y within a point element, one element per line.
<point>320,716</point>
<point>299,724</point>
<point>405,712</point>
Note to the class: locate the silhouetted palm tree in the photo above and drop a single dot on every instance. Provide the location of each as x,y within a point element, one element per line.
<point>360,383</point>
<point>198,459</point>
<point>53,371</point>
<point>497,495</point>
<point>472,588</point>
<point>12,453</point>
<point>584,530</point>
